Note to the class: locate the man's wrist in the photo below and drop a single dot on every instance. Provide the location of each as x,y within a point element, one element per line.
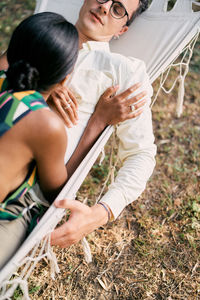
<point>108,210</point>
<point>100,215</point>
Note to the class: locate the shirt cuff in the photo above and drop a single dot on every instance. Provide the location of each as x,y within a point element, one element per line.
<point>115,201</point>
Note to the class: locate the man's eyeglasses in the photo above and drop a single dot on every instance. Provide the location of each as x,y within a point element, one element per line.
<point>117,9</point>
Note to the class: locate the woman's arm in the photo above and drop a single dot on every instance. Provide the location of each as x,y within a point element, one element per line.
<point>110,110</point>
<point>3,62</point>
<point>48,142</point>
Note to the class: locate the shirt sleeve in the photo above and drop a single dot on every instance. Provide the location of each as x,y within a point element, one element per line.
<point>136,146</point>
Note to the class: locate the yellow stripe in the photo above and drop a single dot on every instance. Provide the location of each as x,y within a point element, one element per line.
<point>1,82</point>
<point>20,95</point>
<point>31,179</point>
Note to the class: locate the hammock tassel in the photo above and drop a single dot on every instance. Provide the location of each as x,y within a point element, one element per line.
<point>87,251</point>
<point>102,156</point>
<point>181,93</point>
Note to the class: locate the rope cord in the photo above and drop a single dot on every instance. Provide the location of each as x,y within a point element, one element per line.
<point>8,287</point>
<point>183,71</point>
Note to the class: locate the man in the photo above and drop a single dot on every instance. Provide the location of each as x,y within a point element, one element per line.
<point>96,70</point>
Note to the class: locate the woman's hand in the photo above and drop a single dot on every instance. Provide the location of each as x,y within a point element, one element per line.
<point>63,100</point>
<point>82,221</point>
<point>113,109</point>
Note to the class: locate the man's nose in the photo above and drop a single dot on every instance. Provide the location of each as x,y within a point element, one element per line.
<point>105,7</point>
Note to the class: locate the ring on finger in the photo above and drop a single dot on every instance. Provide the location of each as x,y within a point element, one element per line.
<point>132,108</point>
<point>67,106</point>
<point>69,101</point>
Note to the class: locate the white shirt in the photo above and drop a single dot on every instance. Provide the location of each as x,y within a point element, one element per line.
<point>96,70</point>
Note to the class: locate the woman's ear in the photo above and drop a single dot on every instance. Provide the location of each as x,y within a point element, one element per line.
<point>3,62</point>
<point>64,80</point>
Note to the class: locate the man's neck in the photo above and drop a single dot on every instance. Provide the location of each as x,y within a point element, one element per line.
<point>82,39</point>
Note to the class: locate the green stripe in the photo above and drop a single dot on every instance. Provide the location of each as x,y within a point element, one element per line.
<point>4,85</point>
<point>12,110</point>
<point>4,215</point>
<point>27,100</point>
<point>4,98</point>
<point>36,107</point>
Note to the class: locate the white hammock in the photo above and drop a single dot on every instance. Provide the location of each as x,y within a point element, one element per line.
<point>157,36</point>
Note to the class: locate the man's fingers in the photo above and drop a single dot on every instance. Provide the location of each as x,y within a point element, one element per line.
<point>69,232</point>
<point>63,237</point>
<point>58,236</point>
<point>73,205</point>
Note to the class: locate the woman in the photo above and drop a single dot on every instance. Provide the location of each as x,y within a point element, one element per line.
<point>41,54</point>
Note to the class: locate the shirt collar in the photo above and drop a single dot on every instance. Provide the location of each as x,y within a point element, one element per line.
<point>100,46</point>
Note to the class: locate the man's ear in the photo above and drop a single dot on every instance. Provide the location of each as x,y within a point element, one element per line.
<point>123,30</point>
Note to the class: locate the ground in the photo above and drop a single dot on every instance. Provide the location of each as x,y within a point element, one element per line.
<point>152,251</point>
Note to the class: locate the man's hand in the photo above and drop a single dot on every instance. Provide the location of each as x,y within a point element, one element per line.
<point>82,221</point>
<point>65,103</point>
<point>113,109</point>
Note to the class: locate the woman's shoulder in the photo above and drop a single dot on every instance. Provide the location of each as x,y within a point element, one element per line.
<point>46,129</point>
<point>46,124</point>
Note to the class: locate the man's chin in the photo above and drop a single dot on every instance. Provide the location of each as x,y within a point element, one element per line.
<point>91,29</point>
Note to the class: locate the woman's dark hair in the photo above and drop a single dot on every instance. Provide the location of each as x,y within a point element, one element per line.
<point>143,5</point>
<point>42,51</point>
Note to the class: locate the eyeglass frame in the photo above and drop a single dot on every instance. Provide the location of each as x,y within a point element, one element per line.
<point>113,2</point>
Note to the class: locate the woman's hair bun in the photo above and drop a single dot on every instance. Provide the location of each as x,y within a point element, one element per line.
<point>22,76</point>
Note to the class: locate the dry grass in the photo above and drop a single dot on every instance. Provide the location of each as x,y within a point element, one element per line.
<point>152,250</point>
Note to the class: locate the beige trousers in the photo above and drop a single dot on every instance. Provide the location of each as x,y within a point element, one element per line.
<point>13,233</point>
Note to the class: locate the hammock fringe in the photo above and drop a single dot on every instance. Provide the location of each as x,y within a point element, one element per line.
<point>183,71</point>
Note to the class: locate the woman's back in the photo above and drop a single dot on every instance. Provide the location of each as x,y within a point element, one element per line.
<point>41,54</point>
<point>23,121</point>
<point>15,160</point>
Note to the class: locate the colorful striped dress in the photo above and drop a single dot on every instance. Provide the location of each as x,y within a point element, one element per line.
<point>13,107</point>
